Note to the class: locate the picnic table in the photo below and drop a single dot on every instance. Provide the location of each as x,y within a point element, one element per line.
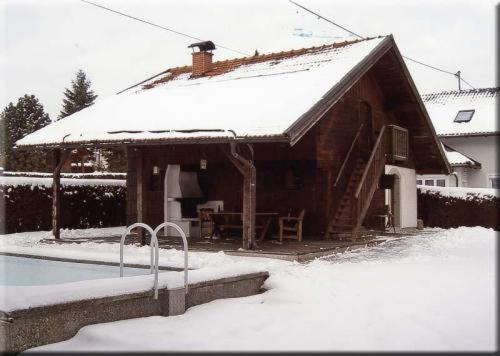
<point>227,220</point>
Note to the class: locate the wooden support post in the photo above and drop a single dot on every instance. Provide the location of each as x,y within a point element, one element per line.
<point>140,193</point>
<point>59,160</point>
<point>247,169</point>
<point>329,215</point>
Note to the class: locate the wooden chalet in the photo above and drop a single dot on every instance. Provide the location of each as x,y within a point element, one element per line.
<point>339,131</point>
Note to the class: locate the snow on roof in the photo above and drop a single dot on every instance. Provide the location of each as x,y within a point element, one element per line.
<point>458,159</point>
<point>259,96</point>
<point>443,108</point>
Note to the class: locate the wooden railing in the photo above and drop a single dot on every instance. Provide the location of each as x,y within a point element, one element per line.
<point>398,143</point>
<point>369,180</point>
<point>348,158</point>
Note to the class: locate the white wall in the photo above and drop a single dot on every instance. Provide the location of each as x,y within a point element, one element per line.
<point>408,196</point>
<point>481,148</point>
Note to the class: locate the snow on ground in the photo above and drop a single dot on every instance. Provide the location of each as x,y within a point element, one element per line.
<point>435,291</point>
<point>207,266</point>
<point>461,192</point>
<point>30,243</point>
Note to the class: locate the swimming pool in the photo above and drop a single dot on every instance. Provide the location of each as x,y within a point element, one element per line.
<point>23,271</point>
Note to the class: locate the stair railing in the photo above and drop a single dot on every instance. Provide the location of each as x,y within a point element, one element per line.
<point>348,156</point>
<point>369,180</point>
<point>340,184</point>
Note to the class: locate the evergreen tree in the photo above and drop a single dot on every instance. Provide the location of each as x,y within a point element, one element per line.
<point>17,121</point>
<point>116,159</point>
<point>79,96</point>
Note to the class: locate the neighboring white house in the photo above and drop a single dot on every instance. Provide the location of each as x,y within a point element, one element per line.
<point>466,122</point>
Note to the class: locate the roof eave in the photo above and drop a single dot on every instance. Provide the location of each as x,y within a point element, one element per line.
<point>423,110</point>
<point>307,120</point>
<point>470,134</point>
<point>150,142</point>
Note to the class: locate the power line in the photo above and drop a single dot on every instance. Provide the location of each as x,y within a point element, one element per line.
<point>324,18</point>
<point>355,34</point>
<point>428,65</point>
<point>159,26</point>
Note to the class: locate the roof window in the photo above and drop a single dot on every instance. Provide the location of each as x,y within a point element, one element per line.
<point>464,116</point>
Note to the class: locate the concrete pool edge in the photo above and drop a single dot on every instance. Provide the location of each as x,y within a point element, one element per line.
<point>43,325</point>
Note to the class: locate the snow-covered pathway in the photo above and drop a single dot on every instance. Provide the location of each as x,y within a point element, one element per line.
<point>429,292</point>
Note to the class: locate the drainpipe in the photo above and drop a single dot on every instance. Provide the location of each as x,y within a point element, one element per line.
<point>456,178</point>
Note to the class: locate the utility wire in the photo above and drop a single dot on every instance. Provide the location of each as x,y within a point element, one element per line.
<point>324,18</point>
<point>428,65</point>
<point>159,26</point>
<point>355,34</point>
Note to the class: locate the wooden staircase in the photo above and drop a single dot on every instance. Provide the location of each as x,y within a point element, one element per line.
<point>356,184</point>
<point>343,221</point>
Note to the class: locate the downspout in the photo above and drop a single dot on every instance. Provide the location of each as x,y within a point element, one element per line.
<point>456,178</point>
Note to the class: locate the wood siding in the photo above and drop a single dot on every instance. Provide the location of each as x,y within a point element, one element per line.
<point>314,162</point>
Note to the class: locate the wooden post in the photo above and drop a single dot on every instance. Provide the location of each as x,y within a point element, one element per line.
<point>140,193</point>
<point>247,169</point>
<point>59,160</point>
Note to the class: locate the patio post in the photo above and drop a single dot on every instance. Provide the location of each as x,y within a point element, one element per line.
<point>247,169</point>
<point>140,194</point>
<point>58,160</point>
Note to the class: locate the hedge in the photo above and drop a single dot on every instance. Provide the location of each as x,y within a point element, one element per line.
<point>439,210</point>
<point>28,206</point>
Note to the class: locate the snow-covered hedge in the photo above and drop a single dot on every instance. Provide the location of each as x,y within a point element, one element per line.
<point>85,203</point>
<point>452,207</point>
<point>93,175</point>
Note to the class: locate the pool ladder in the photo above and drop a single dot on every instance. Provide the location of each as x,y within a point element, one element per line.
<point>155,251</point>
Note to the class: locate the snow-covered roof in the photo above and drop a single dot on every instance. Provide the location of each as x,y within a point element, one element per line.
<point>443,107</point>
<point>254,97</point>
<point>458,159</point>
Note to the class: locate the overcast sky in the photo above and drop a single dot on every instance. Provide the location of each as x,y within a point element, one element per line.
<point>43,43</point>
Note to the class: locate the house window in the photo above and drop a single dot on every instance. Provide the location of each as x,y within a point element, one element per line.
<point>494,181</point>
<point>432,181</point>
<point>440,182</point>
<point>464,116</point>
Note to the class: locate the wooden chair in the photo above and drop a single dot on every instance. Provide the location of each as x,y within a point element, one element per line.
<point>291,224</point>
<point>205,219</point>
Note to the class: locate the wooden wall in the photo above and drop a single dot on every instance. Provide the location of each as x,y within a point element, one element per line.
<point>315,161</point>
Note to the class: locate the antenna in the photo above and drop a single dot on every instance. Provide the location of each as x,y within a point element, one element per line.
<point>457,74</point>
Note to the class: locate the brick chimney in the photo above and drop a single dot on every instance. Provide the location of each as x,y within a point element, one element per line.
<point>202,62</point>
<point>202,59</point>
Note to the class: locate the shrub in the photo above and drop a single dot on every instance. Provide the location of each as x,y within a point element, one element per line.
<point>28,207</point>
<point>439,210</point>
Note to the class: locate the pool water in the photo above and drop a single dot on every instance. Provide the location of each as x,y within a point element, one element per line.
<point>23,271</point>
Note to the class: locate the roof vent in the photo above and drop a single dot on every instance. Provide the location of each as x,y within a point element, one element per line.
<point>202,59</point>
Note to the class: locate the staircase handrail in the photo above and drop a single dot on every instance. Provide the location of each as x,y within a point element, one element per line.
<point>376,148</point>
<point>348,156</point>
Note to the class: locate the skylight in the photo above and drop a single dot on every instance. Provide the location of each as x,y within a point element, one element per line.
<point>464,116</point>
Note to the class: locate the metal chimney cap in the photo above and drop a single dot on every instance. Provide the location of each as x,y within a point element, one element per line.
<point>203,46</point>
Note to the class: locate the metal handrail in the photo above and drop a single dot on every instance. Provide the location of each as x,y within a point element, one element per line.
<point>370,161</point>
<point>154,246</point>
<point>185,243</point>
<point>122,242</point>
<point>346,159</point>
